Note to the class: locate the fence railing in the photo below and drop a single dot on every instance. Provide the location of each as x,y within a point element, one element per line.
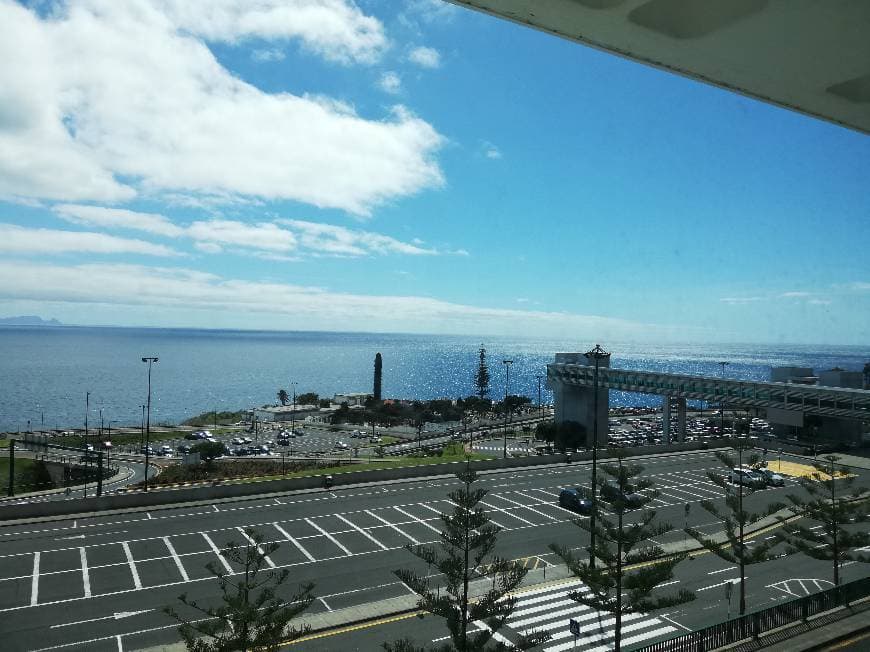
<point>754,624</point>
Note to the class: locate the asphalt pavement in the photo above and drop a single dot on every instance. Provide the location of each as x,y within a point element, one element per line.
<point>100,583</point>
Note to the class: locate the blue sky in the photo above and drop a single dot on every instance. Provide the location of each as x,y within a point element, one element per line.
<point>413,167</point>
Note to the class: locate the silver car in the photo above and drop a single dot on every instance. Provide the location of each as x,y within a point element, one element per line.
<point>772,479</point>
<point>747,477</point>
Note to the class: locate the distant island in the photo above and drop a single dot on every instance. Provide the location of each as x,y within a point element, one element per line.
<point>28,320</point>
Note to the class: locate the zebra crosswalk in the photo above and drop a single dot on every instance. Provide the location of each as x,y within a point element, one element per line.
<point>550,609</point>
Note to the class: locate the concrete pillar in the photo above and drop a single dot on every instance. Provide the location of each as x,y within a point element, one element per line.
<point>577,403</point>
<point>666,419</point>
<point>681,420</point>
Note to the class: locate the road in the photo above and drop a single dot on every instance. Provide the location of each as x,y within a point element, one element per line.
<point>99,583</point>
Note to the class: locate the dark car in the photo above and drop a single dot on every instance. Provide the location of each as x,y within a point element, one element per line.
<point>573,499</point>
<point>183,448</point>
<point>610,491</point>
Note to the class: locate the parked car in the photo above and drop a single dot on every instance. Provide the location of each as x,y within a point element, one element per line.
<point>747,477</point>
<point>237,441</point>
<point>573,499</point>
<point>247,440</point>
<point>340,445</point>
<point>633,500</point>
<point>165,450</point>
<point>772,479</point>
<point>183,449</point>
<point>146,450</point>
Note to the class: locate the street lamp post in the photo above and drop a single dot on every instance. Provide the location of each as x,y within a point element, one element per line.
<point>293,413</point>
<point>540,405</point>
<point>596,354</point>
<point>87,468</point>
<point>507,383</point>
<point>142,429</point>
<point>150,361</point>
<point>722,406</point>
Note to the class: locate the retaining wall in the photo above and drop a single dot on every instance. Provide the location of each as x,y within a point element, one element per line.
<point>253,489</point>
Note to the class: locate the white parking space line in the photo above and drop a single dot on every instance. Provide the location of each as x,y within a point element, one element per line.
<point>552,505</point>
<point>504,511</point>
<point>176,559</point>
<point>419,520</point>
<point>34,582</point>
<point>259,548</point>
<point>86,578</point>
<point>290,538</point>
<point>136,581</point>
<point>217,552</point>
<point>328,536</point>
<point>531,509</point>
<point>363,532</point>
<point>396,528</point>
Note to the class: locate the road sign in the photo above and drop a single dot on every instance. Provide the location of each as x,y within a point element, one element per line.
<point>574,627</point>
<point>729,587</point>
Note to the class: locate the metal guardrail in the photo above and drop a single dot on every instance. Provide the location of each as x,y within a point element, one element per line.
<point>754,624</point>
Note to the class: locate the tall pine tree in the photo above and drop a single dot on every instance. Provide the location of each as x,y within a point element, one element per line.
<point>252,614</point>
<point>735,518</point>
<point>465,555</point>
<point>482,378</point>
<point>624,579</point>
<point>832,504</point>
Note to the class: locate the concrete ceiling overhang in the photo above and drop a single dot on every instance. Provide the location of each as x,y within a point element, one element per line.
<point>811,56</point>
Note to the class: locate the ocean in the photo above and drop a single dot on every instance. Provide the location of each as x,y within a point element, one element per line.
<point>46,371</point>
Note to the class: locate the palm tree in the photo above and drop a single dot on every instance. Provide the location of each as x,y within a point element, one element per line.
<point>283,396</point>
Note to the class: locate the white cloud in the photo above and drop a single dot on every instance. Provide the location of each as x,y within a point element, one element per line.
<point>334,29</point>
<point>431,10</point>
<point>819,302</point>
<point>203,296</point>
<point>328,239</point>
<point>268,55</point>
<point>265,235</point>
<point>22,240</point>
<point>490,150</point>
<point>268,238</point>
<point>740,300</point>
<point>390,82</point>
<point>425,57</point>
<point>118,218</point>
<point>122,98</point>
<point>794,295</point>
<point>860,286</point>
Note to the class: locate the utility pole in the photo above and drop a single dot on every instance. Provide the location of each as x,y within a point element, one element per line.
<point>596,354</point>
<point>507,383</point>
<point>150,361</point>
<point>142,429</point>
<point>540,405</point>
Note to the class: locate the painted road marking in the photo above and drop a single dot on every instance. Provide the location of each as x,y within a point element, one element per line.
<point>86,578</point>
<point>328,536</point>
<point>259,548</point>
<point>176,559</point>
<point>217,552</point>
<point>418,520</point>
<point>293,541</point>
<point>133,570</point>
<point>362,532</point>
<point>531,509</point>
<point>34,583</point>
<point>504,511</point>
<point>395,527</point>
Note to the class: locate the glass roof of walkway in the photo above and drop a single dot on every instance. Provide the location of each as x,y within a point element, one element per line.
<point>845,403</point>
